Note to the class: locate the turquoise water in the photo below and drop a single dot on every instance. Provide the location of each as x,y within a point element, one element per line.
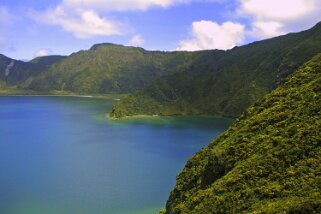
<point>60,155</point>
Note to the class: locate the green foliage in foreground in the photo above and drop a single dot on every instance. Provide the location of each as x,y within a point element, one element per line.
<point>228,84</point>
<point>268,161</point>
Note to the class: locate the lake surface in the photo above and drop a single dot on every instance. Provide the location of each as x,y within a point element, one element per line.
<point>60,155</point>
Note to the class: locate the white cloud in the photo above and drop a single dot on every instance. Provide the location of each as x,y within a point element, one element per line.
<point>43,52</point>
<point>118,5</point>
<point>83,17</point>
<point>210,35</point>
<point>126,5</point>
<point>83,24</point>
<point>277,9</point>
<point>275,17</point>
<point>266,29</point>
<point>137,40</point>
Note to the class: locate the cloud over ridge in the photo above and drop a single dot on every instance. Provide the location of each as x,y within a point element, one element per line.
<point>210,35</point>
<point>276,17</point>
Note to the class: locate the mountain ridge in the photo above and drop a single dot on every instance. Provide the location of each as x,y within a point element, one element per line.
<point>228,85</point>
<point>15,72</point>
<point>111,69</point>
<point>209,82</point>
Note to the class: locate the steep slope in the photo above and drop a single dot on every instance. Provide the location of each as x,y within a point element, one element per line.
<point>227,85</point>
<point>15,72</point>
<point>109,68</point>
<point>268,161</point>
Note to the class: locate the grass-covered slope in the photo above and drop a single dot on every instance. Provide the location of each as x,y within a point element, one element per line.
<point>109,68</point>
<point>228,84</point>
<point>268,161</point>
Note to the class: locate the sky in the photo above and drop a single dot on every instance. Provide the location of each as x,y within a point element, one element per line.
<point>31,28</point>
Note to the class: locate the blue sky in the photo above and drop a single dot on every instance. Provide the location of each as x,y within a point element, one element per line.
<point>32,28</point>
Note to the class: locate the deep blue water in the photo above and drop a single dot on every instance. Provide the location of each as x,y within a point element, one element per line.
<point>60,155</point>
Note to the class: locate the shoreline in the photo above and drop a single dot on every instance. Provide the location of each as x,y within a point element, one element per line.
<point>141,116</point>
<point>145,116</point>
<point>53,94</point>
<point>114,97</point>
<point>46,95</point>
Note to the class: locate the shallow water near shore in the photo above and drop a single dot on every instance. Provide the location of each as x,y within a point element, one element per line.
<point>61,155</point>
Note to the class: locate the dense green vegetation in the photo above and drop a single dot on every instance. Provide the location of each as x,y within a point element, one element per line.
<point>105,68</point>
<point>15,75</point>
<point>109,68</point>
<point>224,85</point>
<point>268,161</point>
<point>47,60</point>
<point>15,72</point>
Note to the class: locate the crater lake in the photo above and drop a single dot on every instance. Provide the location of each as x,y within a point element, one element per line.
<point>62,155</point>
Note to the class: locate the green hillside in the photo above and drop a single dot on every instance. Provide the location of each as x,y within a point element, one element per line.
<point>47,60</point>
<point>109,68</point>
<point>224,85</point>
<point>268,161</point>
<point>15,72</point>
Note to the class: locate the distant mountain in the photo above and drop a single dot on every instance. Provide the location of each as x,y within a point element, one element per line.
<point>168,83</point>
<point>110,68</point>
<point>224,85</point>
<point>15,72</point>
<point>268,161</point>
<point>47,60</point>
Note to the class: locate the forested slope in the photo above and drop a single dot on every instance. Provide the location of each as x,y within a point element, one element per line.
<point>268,161</point>
<point>226,85</point>
<point>110,68</point>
